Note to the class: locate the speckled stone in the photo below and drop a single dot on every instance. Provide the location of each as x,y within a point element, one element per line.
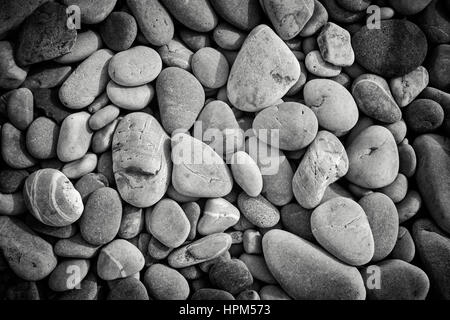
<point>396,49</point>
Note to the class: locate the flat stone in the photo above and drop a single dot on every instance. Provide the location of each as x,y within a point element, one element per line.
<point>373,158</point>
<point>134,67</point>
<point>119,31</point>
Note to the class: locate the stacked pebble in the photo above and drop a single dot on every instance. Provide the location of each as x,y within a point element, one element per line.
<point>124,157</point>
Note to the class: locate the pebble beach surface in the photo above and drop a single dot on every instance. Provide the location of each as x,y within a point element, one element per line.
<point>225,150</point>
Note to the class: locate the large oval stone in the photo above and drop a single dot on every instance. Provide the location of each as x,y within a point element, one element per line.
<point>263,72</point>
<point>180,97</point>
<point>141,159</point>
<point>305,271</point>
<point>433,176</point>
<point>395,49</point>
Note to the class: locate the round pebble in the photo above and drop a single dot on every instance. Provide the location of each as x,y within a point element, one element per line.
<point>130,98</point>
<point>101,218</point>
<point>165,283</point>
<point>424,116</point>
<point>119,259</point>
<point>210,67</point>
<point>291,125</point>
<point>134,67</point>
<point>332,104</point>
<point>42,138</point>
<point>119,30</point>
<point>258,210</point>
<point>373,158</point>
<point>317,66</point>
<point>168,223</point>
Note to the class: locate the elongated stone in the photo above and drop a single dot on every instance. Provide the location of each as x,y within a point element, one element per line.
<point>141,159</point>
